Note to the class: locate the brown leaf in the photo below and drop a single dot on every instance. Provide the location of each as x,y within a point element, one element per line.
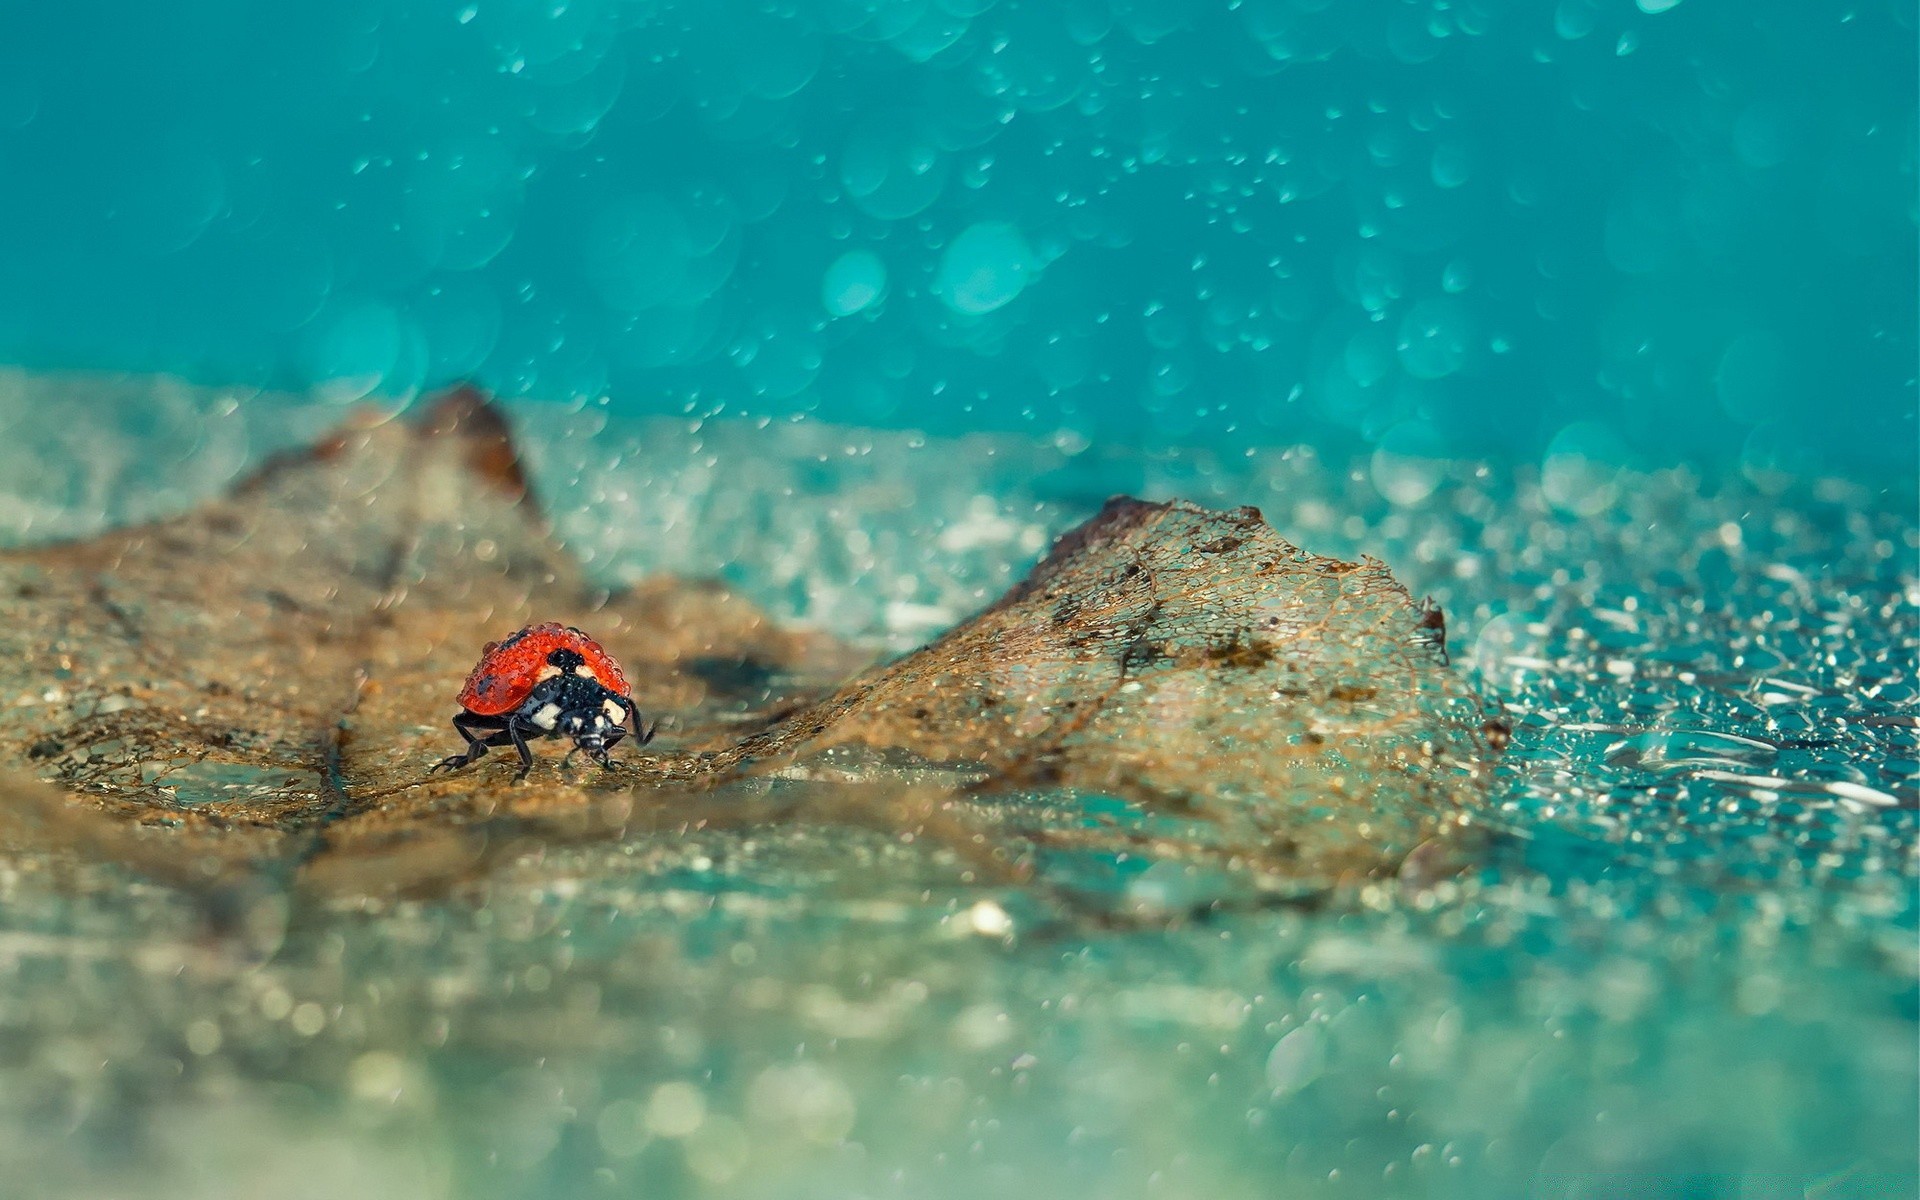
<point>265,681</point>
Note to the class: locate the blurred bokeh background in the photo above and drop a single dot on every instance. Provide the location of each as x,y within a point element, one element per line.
<point>1594,319</point>
<point>1651,232</point>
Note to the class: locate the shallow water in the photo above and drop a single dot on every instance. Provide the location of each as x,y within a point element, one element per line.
<point>1682,962</point>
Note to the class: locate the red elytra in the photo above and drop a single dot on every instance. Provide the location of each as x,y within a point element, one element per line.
<point>509,669</point>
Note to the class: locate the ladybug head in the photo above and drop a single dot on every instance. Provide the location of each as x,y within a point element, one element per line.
<point>572,703</point>
<point>592,725</point>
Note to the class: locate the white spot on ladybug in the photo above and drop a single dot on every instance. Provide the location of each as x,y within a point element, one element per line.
<point>548,716</point>
<point>586,672</point>
<point>547,672</point>
<point>615,710</point>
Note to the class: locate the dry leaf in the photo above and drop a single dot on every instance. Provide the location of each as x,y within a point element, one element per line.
<point>257,688</point>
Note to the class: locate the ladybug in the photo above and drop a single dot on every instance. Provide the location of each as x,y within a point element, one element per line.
<point>547,680</point>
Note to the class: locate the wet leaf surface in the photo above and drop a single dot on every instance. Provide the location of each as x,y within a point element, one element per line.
<point>257,688</point>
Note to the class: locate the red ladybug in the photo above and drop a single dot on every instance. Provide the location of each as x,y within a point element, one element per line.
<point>545,681</point>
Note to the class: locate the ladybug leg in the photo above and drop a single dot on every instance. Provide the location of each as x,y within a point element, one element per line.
<point>613,739</point>
<point>644,731</point>
<point>467,723</point>
<point>520,743</point>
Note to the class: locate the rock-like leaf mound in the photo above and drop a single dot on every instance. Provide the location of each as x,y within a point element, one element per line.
<point>257,688</point>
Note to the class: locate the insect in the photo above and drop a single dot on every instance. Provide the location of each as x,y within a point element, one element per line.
<point>547,680</point>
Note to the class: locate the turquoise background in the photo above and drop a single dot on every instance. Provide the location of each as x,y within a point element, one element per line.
<point>1670,230</point>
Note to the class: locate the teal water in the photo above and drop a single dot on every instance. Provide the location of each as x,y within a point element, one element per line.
<point>1596,319</point>
<point>1655,231</point>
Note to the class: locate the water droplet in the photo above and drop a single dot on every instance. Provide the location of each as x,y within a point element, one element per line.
<point>622,1128</point>
<point>1297,1060</point>
<point>891,167</point>
<point>676,1110</point>
<point>1580,468</point>
<point>1574,19</point>
<point>1450,166</point>
<point>854,281</point>
<point>985,268</point>
<point>351,356</point>
<point>1409,463</point>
